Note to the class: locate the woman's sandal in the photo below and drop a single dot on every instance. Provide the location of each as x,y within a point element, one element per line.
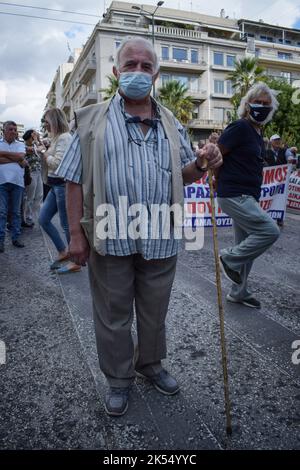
<point>58,262</point>
<point>69,268</point>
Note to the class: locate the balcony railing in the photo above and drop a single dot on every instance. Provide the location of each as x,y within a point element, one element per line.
<point>274,56</point>
<point>188,65</point>
<point>176,32</point>
<point>88,69</point>
<point>66,105</point>
<point>89,98</point>
<point>207,124</point>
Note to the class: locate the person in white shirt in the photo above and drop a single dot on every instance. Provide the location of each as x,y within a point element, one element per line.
<point>12,163</point>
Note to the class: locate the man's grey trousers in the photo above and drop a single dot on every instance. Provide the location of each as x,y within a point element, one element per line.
<point>118,282</point>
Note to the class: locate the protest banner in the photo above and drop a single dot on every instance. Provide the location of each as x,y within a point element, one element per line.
<point>293,200</point>
<point>274,192</point>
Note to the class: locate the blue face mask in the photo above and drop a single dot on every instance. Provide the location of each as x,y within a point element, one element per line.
<point>259,113</point>
<point>135,85</point>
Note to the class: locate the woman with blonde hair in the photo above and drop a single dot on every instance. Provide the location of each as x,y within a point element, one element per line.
<point>57,127</point>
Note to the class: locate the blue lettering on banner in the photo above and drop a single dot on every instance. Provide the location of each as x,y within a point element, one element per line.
<point>272,190</point>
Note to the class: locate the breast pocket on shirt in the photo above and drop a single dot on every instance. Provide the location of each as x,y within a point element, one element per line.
<point>164,155</point>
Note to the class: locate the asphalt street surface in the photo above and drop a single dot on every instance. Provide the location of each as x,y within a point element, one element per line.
<point>52,391</point>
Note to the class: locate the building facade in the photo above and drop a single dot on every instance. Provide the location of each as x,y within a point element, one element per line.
<point>195,49</point>
<point>55,94</point>
<point>198,50</point>
<point>276,48</point>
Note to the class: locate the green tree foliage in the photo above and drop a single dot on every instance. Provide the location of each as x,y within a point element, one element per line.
<point>246,73</point>
<point>112,88</point>
<point>286,120</point>
<point>174,96</point>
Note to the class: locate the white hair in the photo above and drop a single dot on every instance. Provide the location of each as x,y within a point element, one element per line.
<point>136,40</point>
<point>258,89</point>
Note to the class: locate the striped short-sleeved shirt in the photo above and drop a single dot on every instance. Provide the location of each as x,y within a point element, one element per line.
<point>137,167</point>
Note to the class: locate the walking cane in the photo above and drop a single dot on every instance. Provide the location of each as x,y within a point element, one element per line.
<point>220,305</point>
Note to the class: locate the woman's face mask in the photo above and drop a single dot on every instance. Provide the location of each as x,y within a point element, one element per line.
<point>259,113</point>
<point>135,85</point>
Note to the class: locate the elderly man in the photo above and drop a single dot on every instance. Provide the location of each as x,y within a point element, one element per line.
<point>239,187</point>
<point>12,162</point>
<point>129,148</point>
<point>276,154</point>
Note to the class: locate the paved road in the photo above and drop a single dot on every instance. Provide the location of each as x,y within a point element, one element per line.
<point>52,389</point>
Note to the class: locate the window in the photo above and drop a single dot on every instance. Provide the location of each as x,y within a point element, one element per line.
<point>285,55</point>
<point>219,86</point>
<point>195,113</point>
<point>164,78</point>
<point>287,41</point>
<point>194,56</point>
<point>165,53</point>
<point>229,88</point>
<point>230,60</point>
<point>266,38</point>
<point>182,79</point>
<point>218,114</point>
<point>117,43</point>
<point>218,58</point>
<point>194,84</point>
<point>179,54</point>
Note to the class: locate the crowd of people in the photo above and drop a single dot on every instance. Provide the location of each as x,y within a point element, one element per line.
<point>30,192</point>
<point>132,147</point>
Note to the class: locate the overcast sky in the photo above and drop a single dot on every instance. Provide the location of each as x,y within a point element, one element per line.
<point>31,49</point>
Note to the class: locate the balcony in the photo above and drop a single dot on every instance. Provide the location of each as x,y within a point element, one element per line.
<point>206,124</point>
<point>182,65</point>
<point>271,56</point>
<point>66,106</point>
<point>200,95</point>
<point>88,69</point>
<point>222,96</point>
<point>177,32</point>
<point>224,68</point>
<point>89,98</point>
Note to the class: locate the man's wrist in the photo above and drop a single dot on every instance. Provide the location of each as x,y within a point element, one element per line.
<point>200,168</point>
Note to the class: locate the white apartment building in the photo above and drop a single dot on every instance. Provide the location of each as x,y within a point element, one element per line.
<point>276,48</point>
<point>198,50</point>
<point>55,94</point>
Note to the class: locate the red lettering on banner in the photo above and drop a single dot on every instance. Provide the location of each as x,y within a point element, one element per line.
<point>265,205</point>
<point>269,176</point>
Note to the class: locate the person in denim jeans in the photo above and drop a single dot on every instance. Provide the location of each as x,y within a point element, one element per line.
<point>239,182</point>
<point>57,125</point>
<point>12,162</point>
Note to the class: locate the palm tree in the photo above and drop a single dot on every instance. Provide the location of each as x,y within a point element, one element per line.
<point>111,90</point>
<point>246,73</point>
<point>174,96</point>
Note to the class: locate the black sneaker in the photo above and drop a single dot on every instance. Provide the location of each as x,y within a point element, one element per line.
<point>18,244</point>
<point>163,382</point>
<point>249,301</point>
<point>231,275</point>
<point>116,401</point>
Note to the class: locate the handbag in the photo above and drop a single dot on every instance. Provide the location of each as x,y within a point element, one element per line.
<point>27,176</point>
